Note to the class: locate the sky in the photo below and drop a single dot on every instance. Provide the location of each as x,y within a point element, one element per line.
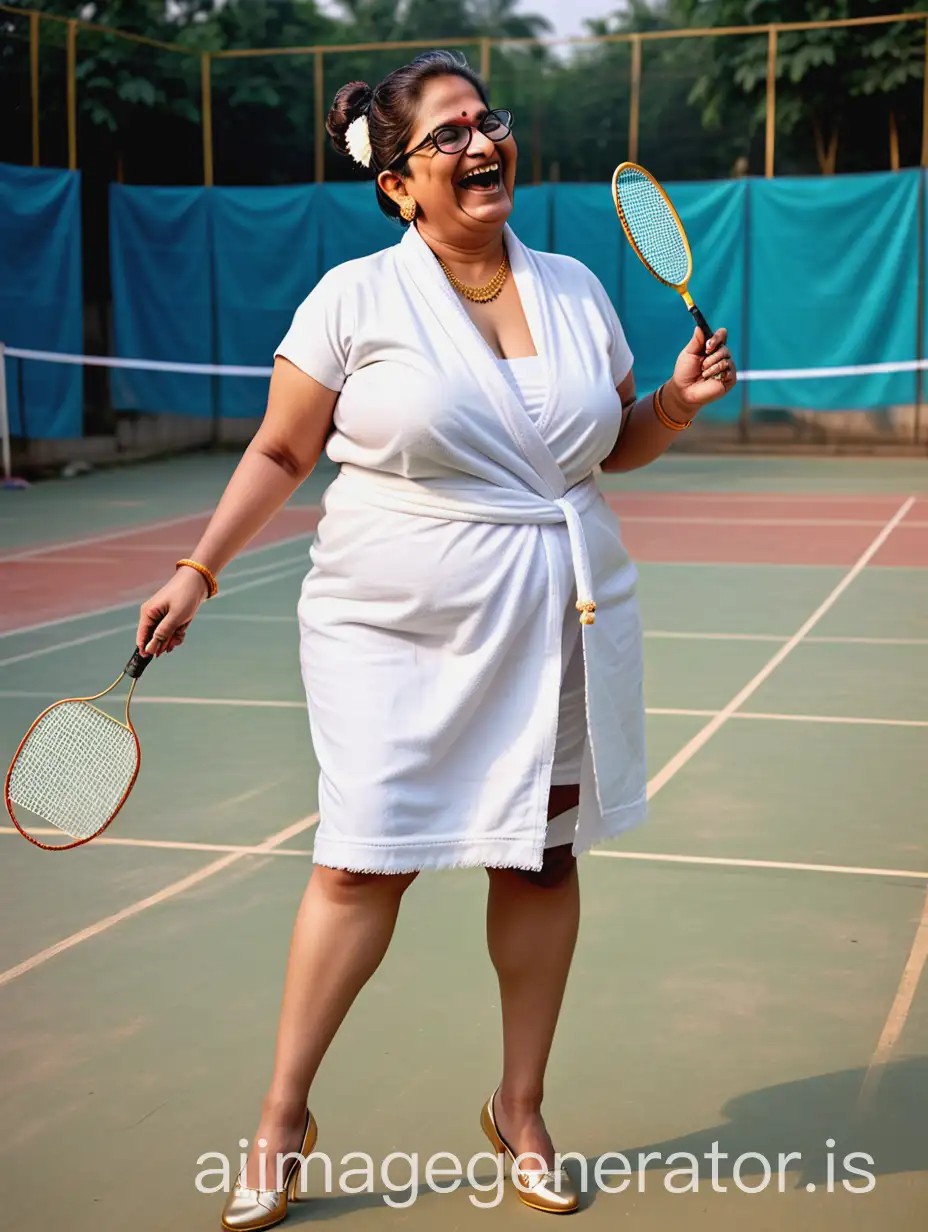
<point>567,16</point>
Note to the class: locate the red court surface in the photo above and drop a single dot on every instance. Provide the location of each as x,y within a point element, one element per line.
<point>50,581</point>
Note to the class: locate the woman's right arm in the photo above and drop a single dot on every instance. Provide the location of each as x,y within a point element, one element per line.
<point>280,456</point>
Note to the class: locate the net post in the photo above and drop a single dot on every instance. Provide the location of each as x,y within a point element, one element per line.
<point>72,94</point>
<point>925,103</point>
<point>920,308</point>
<point>319,115</point>
<point>744,412</point>
<point>206,116</point>
<point>4,419</point>
<point>635,100</point>
<point>485,56</point>
<point>770,149</point>
<point>34,35</point>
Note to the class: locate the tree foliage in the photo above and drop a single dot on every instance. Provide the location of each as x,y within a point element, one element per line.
<point>841,93</point>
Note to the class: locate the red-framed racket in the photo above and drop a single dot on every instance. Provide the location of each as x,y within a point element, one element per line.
<point>74,768</point>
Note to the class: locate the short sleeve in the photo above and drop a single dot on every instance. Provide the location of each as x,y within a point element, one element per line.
<point>318,341</point>
<point>621,358</point>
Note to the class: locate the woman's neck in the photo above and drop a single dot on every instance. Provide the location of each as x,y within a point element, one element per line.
<point>474,263</point>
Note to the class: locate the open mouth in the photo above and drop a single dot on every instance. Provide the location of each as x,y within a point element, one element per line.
<point>482,179</point>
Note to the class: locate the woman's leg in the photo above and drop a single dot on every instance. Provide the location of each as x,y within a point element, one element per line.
<point>342,931</point>
<point>532,924</point>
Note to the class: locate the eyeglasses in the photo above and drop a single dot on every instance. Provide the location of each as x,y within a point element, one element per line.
<point>455,138</point>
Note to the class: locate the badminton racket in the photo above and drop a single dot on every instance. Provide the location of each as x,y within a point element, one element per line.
<point>74,769</point>
<point>655,232</point>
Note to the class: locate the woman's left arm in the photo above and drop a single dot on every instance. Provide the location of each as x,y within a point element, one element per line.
<point>695,383</point>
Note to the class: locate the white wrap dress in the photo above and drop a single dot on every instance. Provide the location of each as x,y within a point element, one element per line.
<point>449,680</point>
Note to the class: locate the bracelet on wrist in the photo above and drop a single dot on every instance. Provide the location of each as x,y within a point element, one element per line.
<point>212,586</point>
<point>675,425</point>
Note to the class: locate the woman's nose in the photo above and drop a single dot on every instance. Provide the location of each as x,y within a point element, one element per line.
<point>480,144</point>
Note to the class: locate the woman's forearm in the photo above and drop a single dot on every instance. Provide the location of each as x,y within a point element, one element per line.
<point>261,485</point>
<point>644,437</point>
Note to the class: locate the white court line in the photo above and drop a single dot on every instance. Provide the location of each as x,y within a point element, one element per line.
<point>656,856</point>
<point>785,865</point>
<point>692,747</point>
<point>125,532</point>
<point>119,607</point>
<point>898,1013</point>
<point>153,900</point>
<point>75,560</point>
<point>165,844</point>
<point>261,703</point>
<point>696,520</point>
<point>266,575</point>
<point>784,498</point>
<point>870,641</point>
<point>671,635</point>
<point>658,634</point>
<point>831,718</point>
<point>766,637</point>
<point>65,545</point>
<point>255,618</point>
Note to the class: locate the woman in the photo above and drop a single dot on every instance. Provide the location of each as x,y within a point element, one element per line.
<point>461,712</point>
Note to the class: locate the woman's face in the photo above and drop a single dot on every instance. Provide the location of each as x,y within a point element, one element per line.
<point>449,200</point>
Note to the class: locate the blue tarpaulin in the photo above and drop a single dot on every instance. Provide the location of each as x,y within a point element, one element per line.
<point>805,273</point>
<point>41,299</point>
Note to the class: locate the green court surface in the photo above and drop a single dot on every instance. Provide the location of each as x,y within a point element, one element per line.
<point>749,978</point>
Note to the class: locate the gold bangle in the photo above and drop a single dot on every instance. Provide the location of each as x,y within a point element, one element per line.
<point>673,424</point>
<point>212,585</point>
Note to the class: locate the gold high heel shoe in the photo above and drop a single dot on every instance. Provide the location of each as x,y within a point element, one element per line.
<point>247,1210</point>
<point>544,1191</point>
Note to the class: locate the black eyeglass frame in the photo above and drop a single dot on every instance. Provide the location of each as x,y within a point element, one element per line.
<point>501,114</point>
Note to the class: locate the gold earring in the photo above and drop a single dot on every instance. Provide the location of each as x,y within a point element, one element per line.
<point>408,209</point>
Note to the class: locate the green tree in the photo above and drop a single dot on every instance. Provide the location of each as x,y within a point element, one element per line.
<point>837,89</point>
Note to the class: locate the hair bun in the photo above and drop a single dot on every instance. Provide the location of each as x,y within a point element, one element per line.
<point>351,101</point>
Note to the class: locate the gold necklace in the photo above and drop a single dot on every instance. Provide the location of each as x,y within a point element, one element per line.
<point>480,295</point>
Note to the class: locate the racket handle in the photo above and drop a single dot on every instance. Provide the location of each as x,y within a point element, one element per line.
<point>702,323</point>
<point>137,664</point>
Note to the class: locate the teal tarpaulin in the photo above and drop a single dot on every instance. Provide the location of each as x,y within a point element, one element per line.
<point>805,273</point>
<point>40,298</point>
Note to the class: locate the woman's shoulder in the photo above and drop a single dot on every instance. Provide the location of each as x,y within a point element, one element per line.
<point>567,270</point>
<point>357,273</point>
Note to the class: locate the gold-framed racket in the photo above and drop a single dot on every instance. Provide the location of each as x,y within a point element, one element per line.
<point>653,228</point>
<point>74,768</point>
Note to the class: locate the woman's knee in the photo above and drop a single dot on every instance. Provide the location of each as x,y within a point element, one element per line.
<point>343,885</point>
<point>558,866</point>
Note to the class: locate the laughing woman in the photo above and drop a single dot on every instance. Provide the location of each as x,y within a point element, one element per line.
<point>470,638</point>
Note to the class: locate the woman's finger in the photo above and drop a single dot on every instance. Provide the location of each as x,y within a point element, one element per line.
<point>722,364</point>
<point>149,619</point>
<point>718,339</point>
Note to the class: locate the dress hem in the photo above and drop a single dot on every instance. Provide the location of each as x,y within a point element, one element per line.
<point>459,853</point>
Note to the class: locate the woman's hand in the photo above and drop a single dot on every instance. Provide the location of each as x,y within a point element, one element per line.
<point>700,379</point>
<point>165,617</point>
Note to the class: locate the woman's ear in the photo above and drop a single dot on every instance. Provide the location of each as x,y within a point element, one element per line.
<point>394,187</point>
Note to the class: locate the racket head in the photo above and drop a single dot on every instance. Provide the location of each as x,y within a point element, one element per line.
<point>71,775</point>
<point>652,225</point>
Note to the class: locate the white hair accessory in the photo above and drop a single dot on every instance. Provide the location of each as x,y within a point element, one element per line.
<point>358,140</point>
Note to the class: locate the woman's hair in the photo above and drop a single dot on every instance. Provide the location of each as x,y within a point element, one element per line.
<point>391,109</point>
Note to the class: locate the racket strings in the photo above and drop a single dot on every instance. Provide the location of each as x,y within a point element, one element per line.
<point>653,227</point>
<point>74,768</point>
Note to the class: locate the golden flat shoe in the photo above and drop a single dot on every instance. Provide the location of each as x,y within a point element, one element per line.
<point>247,1210</point>
<point>553,1192</point>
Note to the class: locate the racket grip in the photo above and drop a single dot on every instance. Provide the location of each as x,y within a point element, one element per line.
<point>137,664</point>
<point>702,323</point>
